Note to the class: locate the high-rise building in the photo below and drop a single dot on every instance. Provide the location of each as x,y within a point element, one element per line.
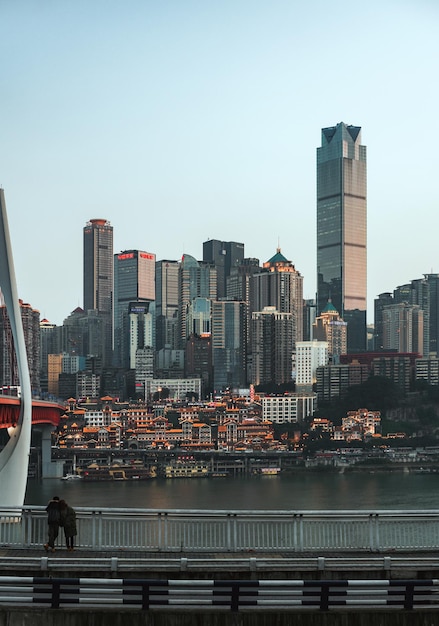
<point>144,367</point>
<point>199,317</point>
<point>271,347</point>
<point>166,302</point>
<point>383,300</point>
<point>333,381</point>
<point>224,255</point>
<point>50,343</point>
<point>309,356</point>
<point>195,280</point>
<point>331,328</point>
<point>229,321</point>
<point>138,328</point>
<point>341,229</point>
<point>72,335</point>
<point>134,281</point>
<point>198,361</point>
<point>8,362</point>
<point>239,288</point>
<point>309,316</point>
<point>403,326</point>
<point>280,285</point>
<point>54,369</point>
<point>432,281</point>
<point>427,369</point>
<point>425,293</point>
<point>98,277</point>
<point>421,292</point>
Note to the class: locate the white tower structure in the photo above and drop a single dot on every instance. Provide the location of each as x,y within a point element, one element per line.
<point>14,458</point>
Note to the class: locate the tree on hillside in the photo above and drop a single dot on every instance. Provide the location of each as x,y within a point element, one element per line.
<point>376,394</point>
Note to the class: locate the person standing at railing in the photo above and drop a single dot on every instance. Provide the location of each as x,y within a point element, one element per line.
<point>53,519</point>
<point>68,522</point>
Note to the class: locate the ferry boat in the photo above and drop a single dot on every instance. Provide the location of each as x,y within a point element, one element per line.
<point>270,471</point>
<point>72,477</point>
<point>118,471</point>
<point>186,467</point>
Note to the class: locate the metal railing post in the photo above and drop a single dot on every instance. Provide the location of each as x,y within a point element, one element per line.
<point>26,528</point>
<point>232,532</point>
<point>301,538</point>
<point>373,533</point>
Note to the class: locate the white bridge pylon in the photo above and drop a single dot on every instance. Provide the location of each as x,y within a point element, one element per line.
<point>14,458</point>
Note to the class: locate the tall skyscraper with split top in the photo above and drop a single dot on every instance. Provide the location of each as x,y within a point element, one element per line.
<point>341,229</point>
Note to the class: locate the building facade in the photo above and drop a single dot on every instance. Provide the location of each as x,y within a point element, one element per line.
<point>223,255</point>
<point>166,301</point>
<point>134,281</point>
<point>291,408</point>
<point>333,381</point>
<point>8,362</point>
<point>229,354</point>
<point>309,356</point>
<point>427,369</point>
<point>342,228</point>
<point>403,328</point>
<point>280,285</point>
<point>98,278</point>
<point>50,343</point>
<point>195,280</point>
<point>329,327</point>
<point>271,347</point>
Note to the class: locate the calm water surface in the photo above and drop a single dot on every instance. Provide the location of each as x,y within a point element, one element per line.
<point>304,491</point>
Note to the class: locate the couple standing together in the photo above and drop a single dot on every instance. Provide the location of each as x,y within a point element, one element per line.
<point>59,513</point>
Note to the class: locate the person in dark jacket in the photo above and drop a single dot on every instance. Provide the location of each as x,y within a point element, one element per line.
<point>68,522</point>
<point>53,519</point>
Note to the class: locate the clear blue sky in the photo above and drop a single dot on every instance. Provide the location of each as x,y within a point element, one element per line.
<point>180,121</point>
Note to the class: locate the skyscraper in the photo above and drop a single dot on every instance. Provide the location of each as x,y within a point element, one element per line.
<point>134,282</point>
<point>229,344</point>
<point>329,327</point>
<point>166,301</point>
<point>98,265</point>
<point>279,284</point>
<point>196,279</point>
<point>271,347</point>
<point>50,343</point>
<point>383,300</point>
<point>224,255</point>
<point>9,372</point>
<point>403,326</point>
<point>98,277</point>
<point>341,229</point>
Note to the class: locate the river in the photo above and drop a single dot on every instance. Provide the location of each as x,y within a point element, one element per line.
<point>301,491</point>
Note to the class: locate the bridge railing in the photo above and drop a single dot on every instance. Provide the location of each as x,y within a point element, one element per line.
<point>230,531</point>
<point>220,595</point>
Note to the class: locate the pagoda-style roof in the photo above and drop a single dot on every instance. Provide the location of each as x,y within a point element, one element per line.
<point>278,258</point>
<point>329,308</point>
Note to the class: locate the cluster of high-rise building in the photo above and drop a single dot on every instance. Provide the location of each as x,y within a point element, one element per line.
<point>227,321</point>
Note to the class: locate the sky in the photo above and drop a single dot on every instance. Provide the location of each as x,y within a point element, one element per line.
<point>186,120</point>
